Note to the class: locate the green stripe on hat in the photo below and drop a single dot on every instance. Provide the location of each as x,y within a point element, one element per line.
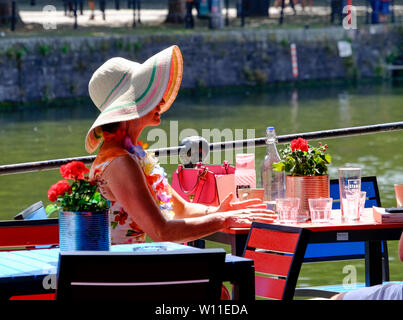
<point>117,85</point>
<point>141,96</point>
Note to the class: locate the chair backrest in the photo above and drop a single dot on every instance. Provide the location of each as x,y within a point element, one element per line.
<point>34,211</point>
<point>278,252</point>
<point>368,184</point>
<point>345,250</point>
<point>180,275</point>
<point>22,233</point>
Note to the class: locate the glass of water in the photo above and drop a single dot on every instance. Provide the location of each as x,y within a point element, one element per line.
<point>350,191</point>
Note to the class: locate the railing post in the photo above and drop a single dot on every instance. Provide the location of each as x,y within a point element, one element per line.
<point>227,13</point>
<point>75,14</point>
<point>282,11</point>
<point>134,4</point>
<point>189,22</point>
<point>392,8</point>
<point>138,10</point>
<point>13,15</point>
<point>242,13</point>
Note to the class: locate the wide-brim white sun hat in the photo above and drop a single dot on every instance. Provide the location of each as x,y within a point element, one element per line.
<point>124,90</point>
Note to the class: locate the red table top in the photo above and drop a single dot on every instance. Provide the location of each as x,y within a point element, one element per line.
<point>366,222</point>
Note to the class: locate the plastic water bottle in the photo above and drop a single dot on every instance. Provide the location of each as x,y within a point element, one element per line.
<point>273,182</point>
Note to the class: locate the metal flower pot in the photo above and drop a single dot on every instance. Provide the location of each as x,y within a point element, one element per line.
<point>84,231</point>
<point>306,187</point>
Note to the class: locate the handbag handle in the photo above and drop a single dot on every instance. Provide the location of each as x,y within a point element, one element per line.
<point>201,175</point>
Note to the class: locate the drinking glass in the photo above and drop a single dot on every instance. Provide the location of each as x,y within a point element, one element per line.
<point>287,209</point>
<point>320,209</point>
<point>350,188</point>
<point>399,195</point>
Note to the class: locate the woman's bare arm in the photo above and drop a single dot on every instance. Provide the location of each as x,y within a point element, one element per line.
<point>126,181</point>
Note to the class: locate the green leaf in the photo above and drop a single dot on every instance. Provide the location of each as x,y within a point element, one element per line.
<point>51,209</point>
<point>278,166</point>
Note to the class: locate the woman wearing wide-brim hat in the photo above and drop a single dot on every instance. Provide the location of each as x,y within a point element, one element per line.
<point>130,97</point>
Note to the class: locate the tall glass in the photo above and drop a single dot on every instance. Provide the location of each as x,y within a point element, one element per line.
<point>350,189</point>
<point>399,195</point>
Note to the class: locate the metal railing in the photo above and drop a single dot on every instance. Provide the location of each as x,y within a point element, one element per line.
<point>217,146</point>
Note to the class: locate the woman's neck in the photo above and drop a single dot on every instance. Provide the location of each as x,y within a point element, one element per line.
<point>134,129</point>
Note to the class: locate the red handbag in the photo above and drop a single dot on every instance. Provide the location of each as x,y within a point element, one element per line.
<point>205,184</point>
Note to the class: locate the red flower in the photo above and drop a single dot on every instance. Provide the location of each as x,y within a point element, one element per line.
<point>58,189</point>
<point>299,144</point>
<point>152,179</point>
<point>160,186</point>
<point>74,170</point>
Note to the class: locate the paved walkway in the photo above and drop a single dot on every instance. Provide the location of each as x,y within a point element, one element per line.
<point>124,17</point>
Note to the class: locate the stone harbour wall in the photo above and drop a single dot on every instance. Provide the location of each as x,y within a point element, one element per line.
<point>42,69</point>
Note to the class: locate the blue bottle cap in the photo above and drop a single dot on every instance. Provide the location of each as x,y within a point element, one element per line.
<point>270,128</point>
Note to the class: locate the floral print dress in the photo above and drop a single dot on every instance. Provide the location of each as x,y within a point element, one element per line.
<point>124,230</point>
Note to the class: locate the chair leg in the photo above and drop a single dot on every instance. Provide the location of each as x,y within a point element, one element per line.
<point>385,262</point>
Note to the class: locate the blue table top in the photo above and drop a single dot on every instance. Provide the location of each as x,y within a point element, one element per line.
<point>44,261</point>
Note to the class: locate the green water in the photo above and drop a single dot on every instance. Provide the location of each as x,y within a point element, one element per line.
<point>57,130</point>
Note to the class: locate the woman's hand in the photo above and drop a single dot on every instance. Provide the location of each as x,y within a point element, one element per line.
<point>244,218</point>
<point>226,204</point>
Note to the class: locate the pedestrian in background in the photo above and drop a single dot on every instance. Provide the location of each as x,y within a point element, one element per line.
<point>91,5</point>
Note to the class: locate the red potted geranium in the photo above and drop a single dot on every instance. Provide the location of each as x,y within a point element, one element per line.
<point>83,212</point>
<point>306,169</point>
<point>76,192</point>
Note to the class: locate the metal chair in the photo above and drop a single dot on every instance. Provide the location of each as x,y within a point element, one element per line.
<point>278,253</point>
<point>349,250</point>
<point>140,276</point>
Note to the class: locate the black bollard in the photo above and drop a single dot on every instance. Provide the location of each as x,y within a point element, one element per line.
<point>13,16</point>
<point>226,12</point>
<point>243,13</point>
<point>75,14</point>
<point>138,10</point>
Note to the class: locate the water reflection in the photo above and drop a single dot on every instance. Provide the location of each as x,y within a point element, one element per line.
<point>344,107</point>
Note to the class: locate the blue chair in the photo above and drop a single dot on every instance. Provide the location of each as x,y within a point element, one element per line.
<point>318,252</point>
<point>33,212</point>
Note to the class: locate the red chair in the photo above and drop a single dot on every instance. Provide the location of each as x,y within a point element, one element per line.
<point>29,234</point>
<point>278,252</point>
